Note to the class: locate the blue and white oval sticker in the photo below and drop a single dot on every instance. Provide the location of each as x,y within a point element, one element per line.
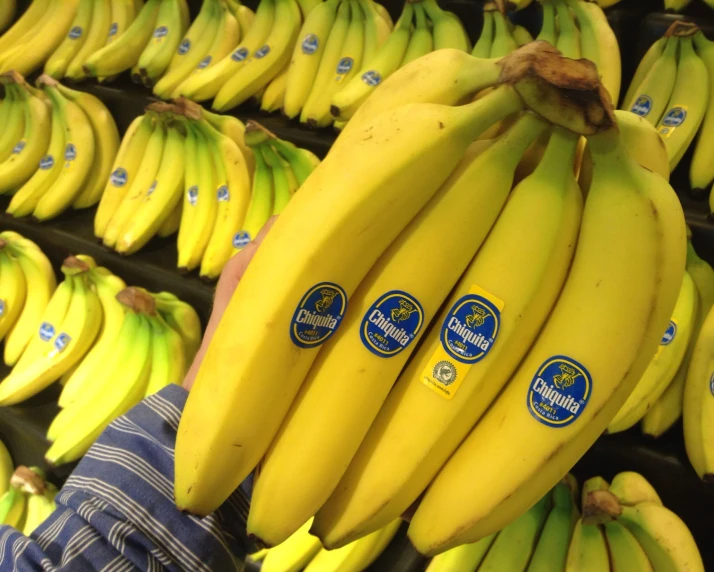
<point>559,392</point>
<point>391,323</point>
<point>642,105</point>
<point>184,47</point>
<point>161,32</point>
<point>310,44</point>
<point>669,333</point>
<point>47,162</point>
<point>344,65</point>
<point>674,117</point>
<point>203,64</point>
<point>318,315</point>
<point>223,194</point>
<point>113,29</point>
<point>19,146</point>
<point>47,331</point>
<point>119,177</point>
<point>70,152</point>
<point>241,239</point>
<point>2,308</point>
<point>240,54</point>
<point>192,195</point>
<point>262,52</point>
<point>470,329</point>
<point>75,32</point>
<point>372,78</point>
<point>61,342</point>
<point>711,384</point>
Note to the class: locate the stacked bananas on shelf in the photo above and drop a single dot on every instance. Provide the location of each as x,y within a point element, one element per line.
<point>28,499</point>
<point>27,283</point>
<point>59,147</point>
<point>512,380</point>
<point>672,90</point>
<point>303,551</point>
<point>147,342</point>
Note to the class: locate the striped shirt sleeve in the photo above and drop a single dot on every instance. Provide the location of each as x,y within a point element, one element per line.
<point>116,511</point>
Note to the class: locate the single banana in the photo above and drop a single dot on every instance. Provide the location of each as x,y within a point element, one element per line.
<point>653,93</point>
<point>274,94</point>
<point>40,283</point>
<point>448,31</point>
<point>452,379</point>
<point>124,170</point>
<point>482,47</point>
<point>225,42</point>
<point>370,184</point>
<point>182,318</point>
<point>13,291</point>
<point>7,14</point>
<point>123,14</point>
<point>388,313</point>
<point>421,42</point>
<point>625,552</point>
<point>588,549</point>
<point>24,25</point>
<point>97,34</point>
<point>667,410</point>
<point>293,554</point>
<point>503,42</point>
<point>701,171</point>
<point>234,129</point>
<point>59,61</point>
<point>466,557</point>
<point>266,62</point>
<point>652,54</point>
<point>172,222</point>
<point>15,120</point>
<point>261,204</point>
<point>12,508</point>
<point>521,35</point>
<point>631,489</point>
<point>569,36</point>
<point>551,552</point>
<point>284,186</point>
<point>168,357</point>
<point>687,105</point>
<point>39,507</point>
<point>665,362</point>
<point>165,40</point>
<point>548,32</point>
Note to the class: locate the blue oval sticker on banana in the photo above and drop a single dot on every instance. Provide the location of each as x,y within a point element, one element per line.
<point>391,323</point>
<point>559,392</point>
<point>318,315</point>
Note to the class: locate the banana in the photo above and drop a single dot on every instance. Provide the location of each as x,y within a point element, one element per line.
<point>22,163</point>
<point>521,35</point>
<point>13,290</point>
<point>232,195</point>
<point>171,223</point>
<point>551,552</point>
<point>274,94</point>
<point>667,410</point>
<point>302,162</point>
<point>385,62</point>
<point>307,56</point>
<point>123,14</point>
<point>503,42</point>
<point>482,47</point>
<point>569,36</point>
<point>599,44</point>
<point>687,105</point>
<point>39,507</point>
<point>523,533</point>
<point>96,39</point>
<point>234,129</point>
<point>88,371</point>
<point>448,30</point>
<point>124,169</point>
<point>652,54</point>
<point>676,5</point>
<point>226,40</point>
<point>7,467</point>
<point>293,554</point>
<point>284,186</point>
<point>106,145</point>
<point>548,31</point>
<point>15,120</point>
<point>588,549</point>
<point>131,366</point>
<point>26,55</point>
<point>373,176</point>
<point>625,552</point>
<point>266,61</point>
<point>421,42</point>
<point>205,84</point>
<point>165,40</point>
<point>7,14</point>
<point>466,557</point>
<point>161,198</point>
<point>59,61</point>
<point>376,29</point>
<point>388,313</point>
<point>653,93</point>
<point>75,335</point>
<point>40,284</point>
<point>424,395</point>
<point>631,489</point>
<point>261,204</point>
<point>701,172</point>
<point>168,357</point>
<point>192,48</point>
<point>600,286</point>
<point>76,161</point>
<point>12,508</point>
<point>182,318</point>
<point>24,24</point>
<point>144,178</point>
<point>125,51</point>
<point>665,363</point>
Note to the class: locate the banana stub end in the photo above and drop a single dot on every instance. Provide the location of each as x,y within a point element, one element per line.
<point>29,480</point>
<point>188,108</point>
<point>680,28</point>
<point>256,134</point>
<point>566,92</point>
<point>73,265</point>
<point>600,507</point>
<point>138,300</point>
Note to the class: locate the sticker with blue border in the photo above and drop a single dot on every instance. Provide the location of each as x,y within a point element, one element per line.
<point>310,44</point>
<point>184,47</point>
<point>391,323</point>
<point>240,54</point>
<point>70,152</point>
<point>62,341</point>
<point>711,384</point>
<point>161,32</point>
<point>75,32</point>
<point>559,392</point>
<point>2,308</point>
<point>671,120</point>
<point>318,315</point>
<point>152,188</point>
<point>192,195</point>
<point>204,63</point>
<point>642,105</point>
<point>241,239</point>
<point>47,162</point>
<point>669,333</point>
<point>372,78</point>
<point>262,52</point>
<point>19,147</point>
<point>223,194</point>
<point>344,65</point>
<point>47,331</point>
<point>119,177</point>
<point>471,327</point>
<point>114,29</point>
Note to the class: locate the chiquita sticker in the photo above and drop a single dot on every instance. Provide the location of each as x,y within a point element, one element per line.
<point>711,384</point>
<point>671,120</point>
<point>642,105</point>
<point>559,391</point>
<point>669,334</point>
<point>318,315</point>
<point>391,323</point>
<point>467,334</point>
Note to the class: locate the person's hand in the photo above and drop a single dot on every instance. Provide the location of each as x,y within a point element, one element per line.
<point>227,283</point>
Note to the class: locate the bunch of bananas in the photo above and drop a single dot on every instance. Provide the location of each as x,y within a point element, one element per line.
<point>345,50</point>
<point>502,384</point>
<point>59,162</point>
<point>671,89</point>
<point>27,500</point>
<point>303,551</point>
<point>499,37</point>
<point>147,342</point>
<point>27,283</point>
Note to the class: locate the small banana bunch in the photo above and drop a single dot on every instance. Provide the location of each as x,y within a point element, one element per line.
<point>329,79</point>
<point>302,551</point>
<point>40,30</point>
<point>672,90</point>
<point>145,42</point>
<point>499,37</point>
<point>27,282</point>
<point>214,35</point>
<point>60,162</point>
<point>28,500</point>
<point>179,168</point>
<point>147,342</point>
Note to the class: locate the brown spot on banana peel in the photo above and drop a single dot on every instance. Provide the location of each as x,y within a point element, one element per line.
<point>601,507</point>
<point>566,92</point>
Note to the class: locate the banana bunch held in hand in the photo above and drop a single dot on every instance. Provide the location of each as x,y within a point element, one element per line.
<point>64,145</point>
<point>28,500</point>
<point>147,342</point>
<point>27,282</point>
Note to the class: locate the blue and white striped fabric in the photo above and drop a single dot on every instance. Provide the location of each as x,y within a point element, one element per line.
<point>116,512</point>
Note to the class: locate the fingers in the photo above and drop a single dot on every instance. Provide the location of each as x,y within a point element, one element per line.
<point>227,283</point>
